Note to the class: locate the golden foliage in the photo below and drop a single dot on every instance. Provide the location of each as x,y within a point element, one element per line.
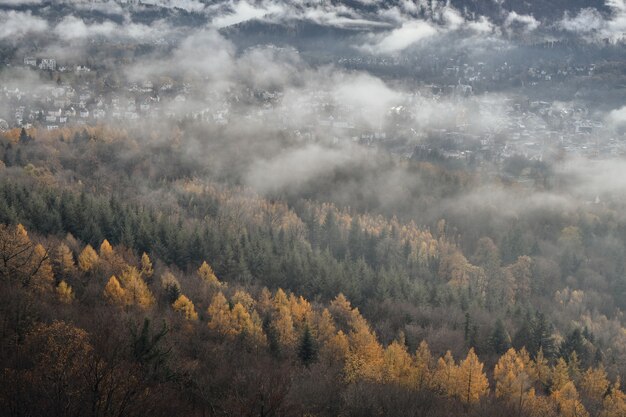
<point>114,293</point>
<point>568,403</point>
<point>185,306</point>
<point>136,289</point>
<point>366,356</point>
<point>65,293</point>
<point>471,380</point>
<point>146,266</point>
<point>208,276</point>
<point>88,259</point>
<point>446,374</point>
<point>64,260</point>
<point>614,404</point>
<point>106,250</point>
<point>335,350</point>
<point>219,314</point>
<point>559,376</point>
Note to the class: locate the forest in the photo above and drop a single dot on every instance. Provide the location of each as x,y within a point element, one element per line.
<point>138,280</point>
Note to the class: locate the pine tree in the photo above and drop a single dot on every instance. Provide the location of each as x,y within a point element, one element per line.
<point>499,340</point>
<point>307,351</point>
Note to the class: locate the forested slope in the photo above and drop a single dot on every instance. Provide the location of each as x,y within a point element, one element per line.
<point>138,281</point>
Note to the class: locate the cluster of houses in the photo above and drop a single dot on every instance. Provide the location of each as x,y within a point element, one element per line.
<point>530,128</point>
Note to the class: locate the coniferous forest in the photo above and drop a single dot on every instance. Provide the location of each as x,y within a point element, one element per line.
<point>145,285</point>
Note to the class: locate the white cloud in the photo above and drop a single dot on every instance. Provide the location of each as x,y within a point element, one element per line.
<point>402,37</point>
<point>526,22</point>
<point>14,24</point>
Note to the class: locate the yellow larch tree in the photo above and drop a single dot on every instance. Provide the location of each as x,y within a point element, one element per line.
<point>301,311</point>
<point>88,259</point>
<point>366,356</point>
<point>248,325</point>
<point>43,278</point>
<point>184,306</point>
<point>106,250</point>
<point>423,361</point>
<point>397,365</point>
<point>568,402</point>
<point>539,405</point>
<point>342,312</point>
<point>219,314</point>
<point>335,350</point>
<point>614,404</point>
<point>208,276</point>
<point>65,293</point>
<point>245,299</point>
<point>265,303</point>
<point>324,327</point>
<point>280,300</point>
<point>283,328</point>
<point>559,376</point>
<point>114,293</point>
<point>594,386</point>
<point>471,380</point>
<point>136,289</point>
<point>541,370</point>
<point>146,266</point>
<point>444,378</point>
<point>512,380</point>
<point>63,261</point>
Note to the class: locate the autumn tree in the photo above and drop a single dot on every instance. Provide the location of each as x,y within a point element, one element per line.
<point>184,306</point>
<point>614,404</point>
<point>219,314</point>
<point>114,293</point>
<point>594,386</point>
<point>423,369</point>
<point>21,260</point>
<point>146,267</point>
<point>208,276</point>
<point>397,367</point>
<point>63,261</point>
<point>136,289</point>
<point>512,380</point>
<point>471,380</point>
<point>568,401</point>
<point>65,293</point>
<point>88,259</point>
<point>366,356</point>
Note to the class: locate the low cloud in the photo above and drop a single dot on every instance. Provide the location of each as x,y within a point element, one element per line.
<point>14,25</point>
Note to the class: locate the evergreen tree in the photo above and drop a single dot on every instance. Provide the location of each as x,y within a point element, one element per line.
<point>499,340</point>
<point>307,351</point>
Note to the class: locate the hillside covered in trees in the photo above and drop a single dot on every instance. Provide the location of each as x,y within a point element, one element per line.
<point>138,280</point>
